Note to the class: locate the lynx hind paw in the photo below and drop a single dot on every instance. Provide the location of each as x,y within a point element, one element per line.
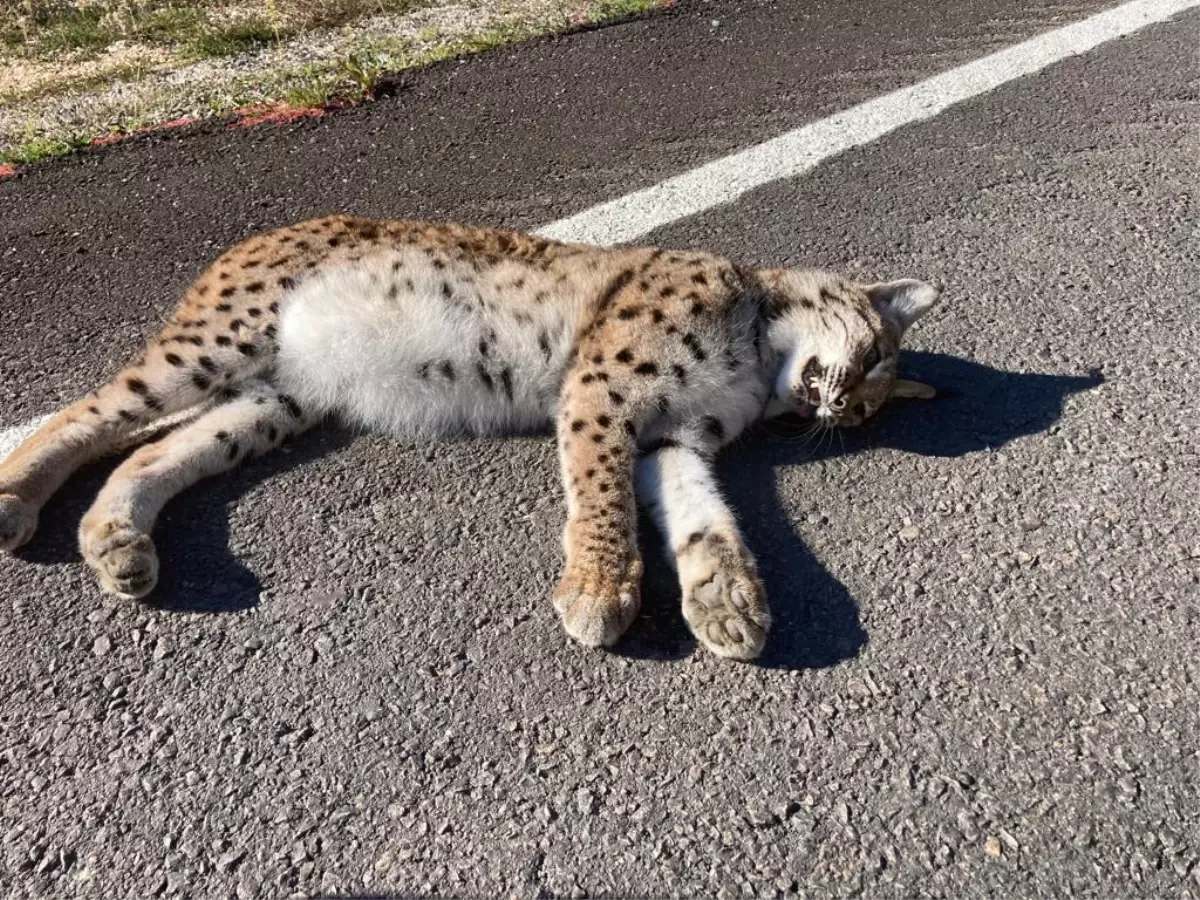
<point>596,612</point>
<point>124,559</point>
<point>18,521</point>
<point>725,605</point>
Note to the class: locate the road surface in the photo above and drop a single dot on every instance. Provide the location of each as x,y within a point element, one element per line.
<point>983,677</point>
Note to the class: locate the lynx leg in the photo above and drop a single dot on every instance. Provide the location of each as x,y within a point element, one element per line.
<point>180,370</point>
<point>723,600</point>
<point>600,592</point>
<point>115,534</point>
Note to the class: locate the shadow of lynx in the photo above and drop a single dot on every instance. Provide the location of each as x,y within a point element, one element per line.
<point>816,622</point>
<point>198,571</point>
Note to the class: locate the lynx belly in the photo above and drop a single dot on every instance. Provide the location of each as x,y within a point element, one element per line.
<point>420,347</point>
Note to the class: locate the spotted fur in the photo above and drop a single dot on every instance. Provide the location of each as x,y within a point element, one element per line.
<point>646,361</point>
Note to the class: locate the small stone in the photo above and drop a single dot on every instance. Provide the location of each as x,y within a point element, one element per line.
<point>162,649</point>
<point>297,736</point>
<point>787,810</point>
<point>966,824</point>
<point>229,860</point>
<point>253,644</point>
<point>385,861</point>
<point>47,862</point>
<point>759,816</point>
<point>992,846</point>
<point>910,533</point>
<point>324,646</point>
<point>102,645</point>
<point>842,812</point>
<point>586,802</point>
<point>372,710</point>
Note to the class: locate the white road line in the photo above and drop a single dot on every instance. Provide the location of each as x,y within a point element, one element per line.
<point>796,152</point>
<point>11,437</point>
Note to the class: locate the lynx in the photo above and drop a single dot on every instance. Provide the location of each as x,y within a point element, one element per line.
<point>645,361</point>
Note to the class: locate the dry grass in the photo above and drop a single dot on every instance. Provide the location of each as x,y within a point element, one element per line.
<point>207,27</point>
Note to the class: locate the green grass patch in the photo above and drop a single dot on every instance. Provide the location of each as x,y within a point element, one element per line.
<point>48,29</point>
<point>82,29</point>
<point>312,86</point>
<point>615,9</point>
<point>237,37</point>
<point>170,25</point>
<point>335,13</point>
<point>351,79</point>
<point>38,149</point>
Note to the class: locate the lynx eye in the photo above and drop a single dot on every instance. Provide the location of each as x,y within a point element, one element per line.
<point>871,360</point>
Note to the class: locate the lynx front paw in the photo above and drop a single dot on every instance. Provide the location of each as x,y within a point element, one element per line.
<point>596,608</point>
<point>18,521</point>
<point>123,557</point>
<point>723,600</point>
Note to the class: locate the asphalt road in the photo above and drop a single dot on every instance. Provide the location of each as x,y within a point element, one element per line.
<point>983,677</point>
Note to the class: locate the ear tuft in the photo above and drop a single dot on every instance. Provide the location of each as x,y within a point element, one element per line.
<point>903,302</point>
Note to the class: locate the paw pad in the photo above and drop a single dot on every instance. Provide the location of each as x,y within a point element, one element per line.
<point>124,558</point>
<point>727,613</point>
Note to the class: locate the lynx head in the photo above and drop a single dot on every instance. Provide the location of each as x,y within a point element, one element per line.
<point>839,342</point>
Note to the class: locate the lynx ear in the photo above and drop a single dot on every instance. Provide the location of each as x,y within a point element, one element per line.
<point>902,302</point>
<point>902,387</point>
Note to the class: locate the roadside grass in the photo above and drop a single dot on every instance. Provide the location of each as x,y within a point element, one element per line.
<point>38,149</point>
<point>233,38</point>
<point>210,29</point>
<point>130,70</point>
<point>46,28</point>
<point>618,9</point>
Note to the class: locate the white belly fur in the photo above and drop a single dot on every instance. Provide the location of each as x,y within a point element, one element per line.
<point>360,343</point>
